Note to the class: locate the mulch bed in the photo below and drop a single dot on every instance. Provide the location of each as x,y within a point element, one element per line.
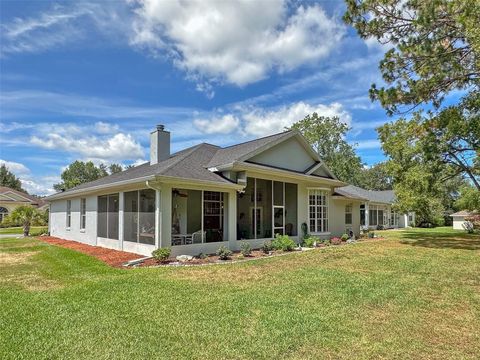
<point>114,258</point>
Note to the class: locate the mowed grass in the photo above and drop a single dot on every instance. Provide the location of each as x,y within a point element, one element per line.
<point>19,230</point>
<point>414,295</point>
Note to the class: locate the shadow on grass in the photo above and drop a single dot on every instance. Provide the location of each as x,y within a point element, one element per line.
<point>438,240</point>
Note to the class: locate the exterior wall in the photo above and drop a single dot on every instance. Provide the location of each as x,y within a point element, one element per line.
<point>288,155</point>
<point>337,217</point>
<point>458,222</point>
<point>58,220</point>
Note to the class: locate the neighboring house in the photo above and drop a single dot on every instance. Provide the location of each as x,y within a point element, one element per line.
<point>11,199</point>
<point>376,208</point>
<point>459,221</point>
<point>200,198</point>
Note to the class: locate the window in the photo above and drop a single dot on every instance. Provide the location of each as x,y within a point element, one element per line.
<point>139,216</point>
<point>69,213</point>
<point>83,213</point>
<point>3,213</point>
<point>108,216</point>
<point>267,208</point>
<point>348,214</point>
<point>318,210</point>
<point>372,214</point>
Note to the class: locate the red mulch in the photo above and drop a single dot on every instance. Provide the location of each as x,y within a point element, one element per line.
<point>114,258</point>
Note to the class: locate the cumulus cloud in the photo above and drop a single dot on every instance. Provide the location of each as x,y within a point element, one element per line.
<point>256,121</point>
<point>234,41</point>
<point>117,147</point>
<point>218,125</point>
<point>15,167</point>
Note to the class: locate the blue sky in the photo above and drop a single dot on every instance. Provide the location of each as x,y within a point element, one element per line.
<point>86,80</point>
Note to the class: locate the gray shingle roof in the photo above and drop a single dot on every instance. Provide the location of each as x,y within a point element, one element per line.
<point>191,164</point>
<point>232,153</point>
<point>383,196</point>
<point>464,213</point>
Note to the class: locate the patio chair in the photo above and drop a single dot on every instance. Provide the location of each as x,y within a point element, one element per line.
<point>197,237</point>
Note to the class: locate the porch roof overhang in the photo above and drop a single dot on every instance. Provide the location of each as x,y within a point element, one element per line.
<point>154,181</point>
<point>248,166</point>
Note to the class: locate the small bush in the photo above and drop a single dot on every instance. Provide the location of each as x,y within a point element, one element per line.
<point>245,248</point>
<point>335,241</point>
<point>161,254</point>
<point>371,234</point>
<point>283,242</point>
<point>345,237</point>
<point>310,242</point>
<point>202,256</point>
<point>224,253</point>
<point>267,247</point>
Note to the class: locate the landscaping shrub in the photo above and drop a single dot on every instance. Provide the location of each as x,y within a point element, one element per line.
<point>224,253</point>
<point>472,223</point>
<point>335,241</point>
<point>38,232</point>
<point>245,248</point>
<point>202,256</point>
<point>326,242</point>
<point>161,254</point>
<point>371,234</point>
<point>345,237</point>
<point>283,242</point>
<point>267,246</point>
<point>310,242</point>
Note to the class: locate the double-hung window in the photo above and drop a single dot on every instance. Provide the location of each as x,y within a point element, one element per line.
<point>318,210</point>
<point>83,213</point>
<point>348,214</point>
<point>69,213</point>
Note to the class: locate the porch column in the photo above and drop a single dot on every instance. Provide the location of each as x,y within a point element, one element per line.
<point>367,215</point>
<point>232,219</point>
<point>121,205</point>
<point>165,216</point>
<point>158,220</point>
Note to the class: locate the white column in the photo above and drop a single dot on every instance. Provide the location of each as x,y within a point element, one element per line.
<point>166,216</point>
<point>367,215</point>
<point>158,220</point>
<point>121,206</point>
<point>232,219</point>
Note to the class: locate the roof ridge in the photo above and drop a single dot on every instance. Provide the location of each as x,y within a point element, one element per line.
<point>261,138</point>
<point>188,152</point>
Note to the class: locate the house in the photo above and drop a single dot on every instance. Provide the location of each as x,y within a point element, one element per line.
<point>200,198</point>
<point>376,208</point>
<point>459,222</point>
<point>10,199</point>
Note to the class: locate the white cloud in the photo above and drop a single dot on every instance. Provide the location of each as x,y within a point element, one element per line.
<point>42,185</point>
<point>260,122</point>
<point>238,42</point>
<point>256,121</point>
<point>117,147</point>
<point>218,125</point>
<point>105,128</point>
<point>15,167</point>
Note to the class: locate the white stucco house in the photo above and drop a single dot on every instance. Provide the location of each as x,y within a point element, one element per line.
<point>10,199</point>
<point>459,222</point>
<point>205,196</point>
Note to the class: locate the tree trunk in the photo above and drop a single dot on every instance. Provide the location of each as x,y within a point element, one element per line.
<point>26,230</point>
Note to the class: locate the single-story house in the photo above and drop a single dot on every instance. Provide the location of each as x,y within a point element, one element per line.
<point>10,199</point>
<point>459,222</point>
<point>205,196</point>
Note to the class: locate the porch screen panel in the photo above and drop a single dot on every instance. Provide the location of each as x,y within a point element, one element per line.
<point>264,208</point>
<point>291,206</point>
<point>246,212</point>
<point>362,214</point>
<point>213,213</point>
<point>113,205</point>
<point>130,216</point>
<point>146,216</point>
<point>102,217</point>
<point>373,216</point>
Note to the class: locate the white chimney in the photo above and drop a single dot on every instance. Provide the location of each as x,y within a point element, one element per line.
<point>159,145</point>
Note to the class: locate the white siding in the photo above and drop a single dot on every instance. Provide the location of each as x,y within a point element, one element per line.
<point>58,222</point>
<point>458,222</point>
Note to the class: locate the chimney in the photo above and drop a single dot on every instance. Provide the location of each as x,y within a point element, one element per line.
<point>159,145</point>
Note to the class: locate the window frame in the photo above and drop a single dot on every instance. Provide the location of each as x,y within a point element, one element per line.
<point>321,208</point>
<point>349,211</point>
<point>83,213</point>
<point>68,219</point>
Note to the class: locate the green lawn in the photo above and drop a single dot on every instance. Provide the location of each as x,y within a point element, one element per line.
<point>19,230</point>
<point>414,295</point>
